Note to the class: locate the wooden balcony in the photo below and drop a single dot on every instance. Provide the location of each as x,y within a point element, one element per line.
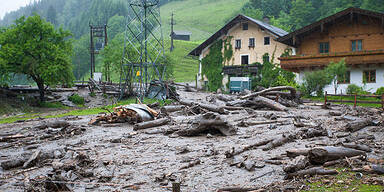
<point>294,63</point>
<point>240,70</point>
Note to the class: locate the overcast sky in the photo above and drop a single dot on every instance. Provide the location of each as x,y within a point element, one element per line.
<point>11,5</point>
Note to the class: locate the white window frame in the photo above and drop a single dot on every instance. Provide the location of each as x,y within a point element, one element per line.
<point>241,58</point>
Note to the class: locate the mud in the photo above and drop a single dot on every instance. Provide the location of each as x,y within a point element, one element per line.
<point>147,160</point>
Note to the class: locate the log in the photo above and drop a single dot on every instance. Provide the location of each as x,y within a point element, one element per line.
<point>358,147</point>
<point>172,108</point>
<point>225,98</point>
<point>213,108</point>
<point>14,163</point>
<point>253,123</point>
<point>232,153</point>
<point>293,92</point>
<point>208,122</point>
<point>149,124</point>
<point>232,108</point>
<point>32,160</point>
<point>191,164</point>
<point>11,137</point>
<point>297,152</point>
<point>297,164</point>
<point>321,155</point>
<point>279,142</point>
<point>357,125</point>
<point>343,162</point>
<point>270,103</point>
<point>311,172</point>
<point>374,169</point>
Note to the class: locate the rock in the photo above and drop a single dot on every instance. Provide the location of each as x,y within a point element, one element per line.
<point>209,135</point>
<point>58,154</point>
<point>249,165</point>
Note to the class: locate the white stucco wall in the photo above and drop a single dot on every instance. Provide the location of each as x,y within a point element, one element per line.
<point>356,78</point>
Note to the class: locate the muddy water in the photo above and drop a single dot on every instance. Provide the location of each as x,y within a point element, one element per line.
<point>141,159</point>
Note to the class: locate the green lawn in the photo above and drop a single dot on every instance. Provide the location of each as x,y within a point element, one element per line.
<point>78,112</point>
<point>321,99</point>
<point>201,17</point>
<point>345,181</point>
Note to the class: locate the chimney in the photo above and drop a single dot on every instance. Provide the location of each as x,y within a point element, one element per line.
<point>266,19</point>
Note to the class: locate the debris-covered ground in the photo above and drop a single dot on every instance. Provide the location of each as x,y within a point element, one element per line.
<point>203,145</point>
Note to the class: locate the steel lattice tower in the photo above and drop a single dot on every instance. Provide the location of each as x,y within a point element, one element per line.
<point>143,49</point>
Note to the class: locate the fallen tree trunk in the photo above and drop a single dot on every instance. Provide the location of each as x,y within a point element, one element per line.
<point>232,153</point>
<point>149,124</point>
<point>321,155</point>
<point>279,142</point>
<point>213,108</point>
<point>208,122</point>
<point>297,164</point>
<point>225,98</point>
<point>311,172</point>
<point>171,108</point>
<point>345,162</point>
<point>12,137</point>
<point>357,146</point>
<point>270,103</point>
<point>252,123</point>
<point>297,152</point>
<point>357,125</point>
<point>293,92</point>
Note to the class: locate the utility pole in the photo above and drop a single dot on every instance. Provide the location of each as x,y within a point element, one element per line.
<point>172,32</point>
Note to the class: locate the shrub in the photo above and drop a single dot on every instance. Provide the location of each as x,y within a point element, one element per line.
<point>77,99</point>
<point>315,82</point>
<point>380,91</point>
<point>354,89</point>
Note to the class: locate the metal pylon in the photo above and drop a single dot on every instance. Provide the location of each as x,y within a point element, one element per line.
<point>143,49</point>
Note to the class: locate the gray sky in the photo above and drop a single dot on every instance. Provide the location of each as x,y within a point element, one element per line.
<point>11,5</point>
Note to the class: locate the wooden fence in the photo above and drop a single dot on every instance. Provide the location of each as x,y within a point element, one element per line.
<point>355,101</point>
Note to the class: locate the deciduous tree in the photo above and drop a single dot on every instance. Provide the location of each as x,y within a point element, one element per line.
<point>33,47</point>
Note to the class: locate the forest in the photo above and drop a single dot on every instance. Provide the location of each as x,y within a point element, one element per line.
<point>76,15</point>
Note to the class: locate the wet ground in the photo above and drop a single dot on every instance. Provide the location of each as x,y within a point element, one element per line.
<point>121,159</point>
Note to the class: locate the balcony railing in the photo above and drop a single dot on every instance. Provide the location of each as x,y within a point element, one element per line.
<point>351,58</point>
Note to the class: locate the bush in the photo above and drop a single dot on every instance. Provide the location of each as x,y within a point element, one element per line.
<point>77,99</point>
<point>315,82</point>
<point>354,89</point>
<point>380,91</point>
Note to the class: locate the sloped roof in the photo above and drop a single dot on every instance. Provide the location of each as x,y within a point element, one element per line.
<point>240,18</point>
<point>316,26</point>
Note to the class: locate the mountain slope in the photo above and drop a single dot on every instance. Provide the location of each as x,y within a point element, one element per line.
<point>201,17</point>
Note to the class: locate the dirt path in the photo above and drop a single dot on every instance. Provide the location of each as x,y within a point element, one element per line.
<point>121,159</point>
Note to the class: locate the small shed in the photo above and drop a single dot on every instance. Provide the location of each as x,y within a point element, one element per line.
<point>181,35</point>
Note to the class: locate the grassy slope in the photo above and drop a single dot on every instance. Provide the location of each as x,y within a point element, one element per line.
<point>185,67</point>
<point>201,17</point>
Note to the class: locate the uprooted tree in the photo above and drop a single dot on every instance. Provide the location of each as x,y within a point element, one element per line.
<point>33,47</point>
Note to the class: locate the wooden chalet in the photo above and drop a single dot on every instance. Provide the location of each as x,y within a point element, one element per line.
<point>354,34</point>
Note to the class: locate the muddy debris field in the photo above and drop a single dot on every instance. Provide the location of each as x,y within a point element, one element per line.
<point>203,142</point>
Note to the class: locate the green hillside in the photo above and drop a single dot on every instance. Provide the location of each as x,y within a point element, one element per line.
<point>185,67</point>
<point>201,17</point>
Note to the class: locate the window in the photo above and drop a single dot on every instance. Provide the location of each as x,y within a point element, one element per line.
<point>244,60</point>
<point>324,47</point>
<point>245,26</point>
<point>369,76</point>
<point>251,42</point>
<point>357,45</point>
<point>266,41</point>
<point>346,78</point>
<point>238,44</point>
